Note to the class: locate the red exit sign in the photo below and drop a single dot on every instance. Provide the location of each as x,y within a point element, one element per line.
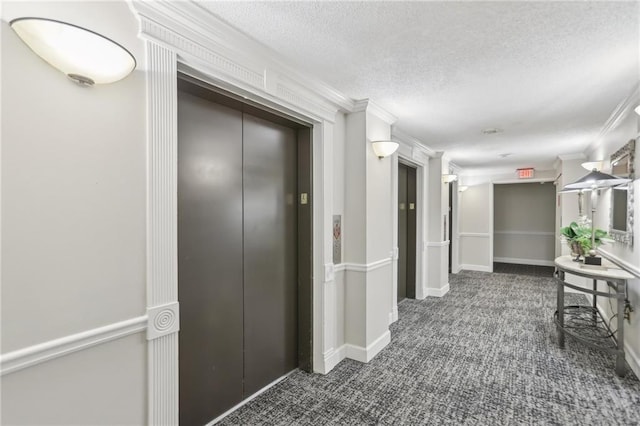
<point>525,173</point>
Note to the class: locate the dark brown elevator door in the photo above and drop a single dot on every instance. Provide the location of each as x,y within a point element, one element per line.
<point>209,258</point>
<point>406,232</point>
<point>270,252</point>
<point>237,255</point>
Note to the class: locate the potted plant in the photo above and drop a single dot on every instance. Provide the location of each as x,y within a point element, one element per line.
<point>579,238</point>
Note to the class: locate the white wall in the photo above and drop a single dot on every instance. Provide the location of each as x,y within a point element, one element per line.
<point>626,126</point>
<point>476,209</point>
<point>368,235</point>
<point>524,223</point>
<point>475,216</point>
<point>73,221</point>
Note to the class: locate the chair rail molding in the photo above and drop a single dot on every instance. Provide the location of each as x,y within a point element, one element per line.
<point>474,235</point>
<point>36,354</point>
<point>368,267</point>
<point>627,266</point>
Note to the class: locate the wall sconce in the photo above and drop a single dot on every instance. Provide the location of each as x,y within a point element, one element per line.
<point>593,165</point>
<point>449,178</point>
<point>637,110</point>
<point>384,148</point>
<point>462,188</point>
<point>86,57</point>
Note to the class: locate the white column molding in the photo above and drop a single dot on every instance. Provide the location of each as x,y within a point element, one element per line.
<point>162,253</point>
<point>163,320</point>
<point>328,322</point>
<point>329,273</point>
<point>393,315</point>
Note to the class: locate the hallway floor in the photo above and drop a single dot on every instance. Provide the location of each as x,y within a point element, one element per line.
<point>485,353</point>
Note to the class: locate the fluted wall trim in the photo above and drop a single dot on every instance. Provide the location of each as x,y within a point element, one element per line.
<point>162,256</point>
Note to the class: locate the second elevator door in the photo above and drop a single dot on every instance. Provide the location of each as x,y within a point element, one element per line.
<point>237,255</point>
<point>406,232</point>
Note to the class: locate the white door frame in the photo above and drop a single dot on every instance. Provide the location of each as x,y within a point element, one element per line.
<point>180,36</point>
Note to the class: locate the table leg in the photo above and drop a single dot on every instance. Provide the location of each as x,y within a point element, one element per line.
<point>595,302</point>
<point>560,306</point>
<point>620,364</point>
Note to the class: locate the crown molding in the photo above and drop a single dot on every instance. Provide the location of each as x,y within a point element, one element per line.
<point>575,156</point>
<point>375,109</point>
<point>409,140</point>
<point>201,37</point>
<point>501,171</point>
<point>625,107</point>
<point>455,168</point>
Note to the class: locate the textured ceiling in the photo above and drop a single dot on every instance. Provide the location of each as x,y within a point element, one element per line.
<point>548,73</point>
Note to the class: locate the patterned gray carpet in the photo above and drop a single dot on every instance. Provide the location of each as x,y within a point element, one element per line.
<point>485,354</point>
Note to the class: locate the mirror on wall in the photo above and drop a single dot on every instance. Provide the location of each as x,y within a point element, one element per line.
<point>621,220</point>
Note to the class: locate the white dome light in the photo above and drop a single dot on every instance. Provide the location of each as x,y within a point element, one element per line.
<point>384,148</point>
<point>84,56</point>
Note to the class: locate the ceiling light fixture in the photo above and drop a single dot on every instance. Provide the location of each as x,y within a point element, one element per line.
<point>384,148</point>
<point>449,178</point>
<point>86,57</point>
<point>595,180</point>
<point>593,165</point>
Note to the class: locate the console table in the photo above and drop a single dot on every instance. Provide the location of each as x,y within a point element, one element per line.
<point>585,322</point>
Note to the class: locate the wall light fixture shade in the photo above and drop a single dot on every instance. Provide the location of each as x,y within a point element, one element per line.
<point>449,178</point>
<point>384,148</point>
<point>594,180</point>
<point>83,55</point>
<point>593,165</point>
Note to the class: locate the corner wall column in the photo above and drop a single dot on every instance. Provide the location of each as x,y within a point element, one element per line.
<point>369,246</point>
<point>438,241</point>
<point>162,252</point>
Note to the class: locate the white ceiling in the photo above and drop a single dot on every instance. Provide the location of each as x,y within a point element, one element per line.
<point>548,73</point>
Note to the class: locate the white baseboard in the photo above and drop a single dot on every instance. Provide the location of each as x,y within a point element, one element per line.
<point>480,268</point>
<point>361,354</point>
<point>518,261</point>
<point>393,315</point>
<point>437,292</point>
<point>36,354</point>
<point>630,354</point>
<point>333,358</point>
<point>632,357</point>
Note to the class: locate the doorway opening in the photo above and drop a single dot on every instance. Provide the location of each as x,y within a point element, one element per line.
<point>407,196</point>
<point>524,228</point>
<point>244,249</point>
